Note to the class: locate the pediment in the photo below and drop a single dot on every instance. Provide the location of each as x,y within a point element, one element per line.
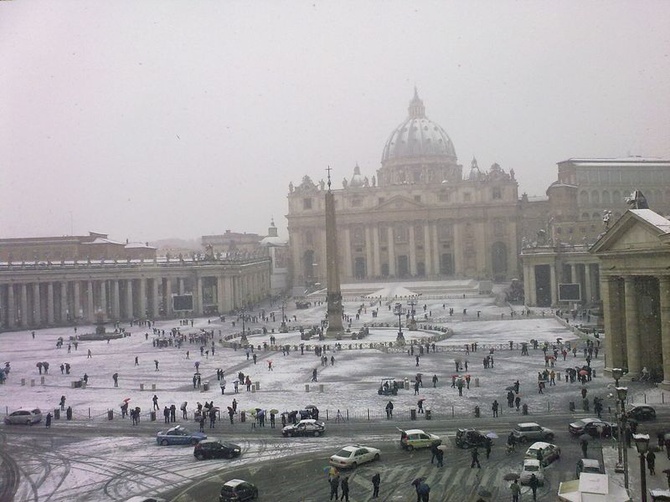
<point>634,231</point>
<point>398,203</point>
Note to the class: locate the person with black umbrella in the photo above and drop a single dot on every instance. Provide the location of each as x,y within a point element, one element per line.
<point>534,483</point>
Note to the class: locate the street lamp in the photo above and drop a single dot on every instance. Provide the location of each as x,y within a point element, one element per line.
<point>622,465</point>
<point>616,374</point>
<point>282,327</point>
<point>398,312</point>
<point>642,445</point>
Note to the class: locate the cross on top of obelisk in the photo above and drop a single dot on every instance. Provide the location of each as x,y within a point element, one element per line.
<point>328,169</point>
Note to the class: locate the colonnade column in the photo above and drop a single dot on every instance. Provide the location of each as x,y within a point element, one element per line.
<point>11,307</point>
<point>220,286</point>
<point>116,300</point>
<point>198,296</point>
<point>412,251</point>
<point>615,348</point>
<point>129,298</point>
<point>369,246</point>
<point>90,310</point>
<point>391,250</point>
<point>427,250</point>
<point>664,293</point>
<point>435,250</point>
<point>588,293</point>
<point>533,285</point>
<point>103,298</point>
<point>143,298</point>
<point>154,297</point>
<point>24,305</point>
<point>348,269</point>
<point>63,302</point>
<point>573,273</point>
<point>37,304</point>
<point>50,303</point>
<point>77,300</point>
<point>632,329</point>
<point>167,294</point>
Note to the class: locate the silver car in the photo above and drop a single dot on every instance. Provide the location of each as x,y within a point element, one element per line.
<point>24,417</point>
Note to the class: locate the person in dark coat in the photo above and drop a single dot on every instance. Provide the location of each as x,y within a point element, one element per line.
<point>345,489</point>
<point>389,410</point>
<point>651,462</point>
<point>376,481</point>
<point>48,421</point>
<point>440,458</point>
<point>534,483</point>
<point>475,459</point>
<point>488,447</point>
<point>202,422</point>
<point>173,413</point>
<point>166,414</point>
<point>334,485</point>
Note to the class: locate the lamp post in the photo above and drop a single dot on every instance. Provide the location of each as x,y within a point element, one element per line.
<point>622,465</point>
<point>616,374</point>
<point>282,327</point>
<point>398,311</point>
<point>642,445</point>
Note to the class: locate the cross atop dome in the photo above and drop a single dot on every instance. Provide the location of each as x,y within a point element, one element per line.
<point>416,108</point>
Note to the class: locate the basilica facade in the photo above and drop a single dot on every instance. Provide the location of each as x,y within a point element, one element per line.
<point>419,216</point>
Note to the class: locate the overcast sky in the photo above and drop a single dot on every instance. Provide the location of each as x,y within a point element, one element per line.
<point>155,119</point>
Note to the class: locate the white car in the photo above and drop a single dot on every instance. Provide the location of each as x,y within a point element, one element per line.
<point>24,417</point>
<point>416,438</point>
<point>306,427</point>
<point>531,466</point>
<point>353,456</point>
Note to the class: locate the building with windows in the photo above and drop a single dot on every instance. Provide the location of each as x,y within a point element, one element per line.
<point>419,216</point>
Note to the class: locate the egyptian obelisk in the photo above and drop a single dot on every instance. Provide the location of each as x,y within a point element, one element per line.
<point>333,293</point>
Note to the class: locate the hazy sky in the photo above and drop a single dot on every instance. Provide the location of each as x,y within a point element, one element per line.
<point>155,119</point>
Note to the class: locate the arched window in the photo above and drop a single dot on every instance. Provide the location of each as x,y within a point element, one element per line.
<point>595,197</point>
<point>606,197</point>
<point>583,198</point>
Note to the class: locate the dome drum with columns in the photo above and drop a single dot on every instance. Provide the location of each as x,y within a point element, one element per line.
<point>416,217</point>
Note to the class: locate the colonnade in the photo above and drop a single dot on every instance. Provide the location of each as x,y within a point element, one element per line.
<point>58,294</point>
<point>542,274</point>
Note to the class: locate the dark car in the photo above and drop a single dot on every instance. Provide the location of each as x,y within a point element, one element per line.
<point>216,449</point>
<point>470,438</point>
<point>593,427</point>
<point>642,412</point>
<point>238,490</point>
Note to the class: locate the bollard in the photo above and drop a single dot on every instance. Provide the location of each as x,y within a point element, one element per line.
<point>477,412</point>
<point>23,381</point>
<point>306,387</point>
<point>56,413</point>
<point>253,389</point>
<point>243,416</point>
<point>258,385</point>
<point>110,414</point>
<point>406,382</point>
<point>42,380</point>
<point>141,386</point>
<point>428,414</point>
<point>152,416</point>
<point>412,413</point>
<point>320,387</point>
<point>524,409</point>
<point>153,386</point>
<point>572,406</point>
<point>32,382</point>
<point>477,382</point>
<point>205,386</point>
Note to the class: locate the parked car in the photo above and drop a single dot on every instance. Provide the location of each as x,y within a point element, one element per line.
<point>550,452</point>
<point>470,438</point>
<point>238,490</point>
<point>416,438</point>
<point>179,435</point>
<point>24,417</point>
<point>531,466</point>
<point>305,427</point>
<point>594,427</point>
<point>353,456</point>
<point>530,431</point>
<point>216,449</point>
<point>642,412</point>
<point>588,465</point>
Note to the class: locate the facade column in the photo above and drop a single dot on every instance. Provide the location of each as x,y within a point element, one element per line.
<point>390,245</point>
<point>412,250</point>
<point>435,250</point>
<point>37,304</point>
<point>369,265</point>
<point>154,297</point>
<point>90,310</point>
<point>116,300</point>
<point>50,303</point>
<point>573,273</point>
<point>63,302</point>
<point>24,305</point>
<point>103,299</point>
<point>632,329</point>
<point>143,298</point>
<point>533,285</point>
<point>11,306</point>
<point>167,294</point>
<point>220,285</point>
<point>77,301</point>
<point>427,250</point>
<point>615,348</point>
<point>552,282</point>
<point>526,283</point>
<point>129,299</point>
<point>588,289</point>
<point>348,266</point>
<point>198,296</point>
<point>664,293</point>
<point>180,286</point>
<point>375,249</point>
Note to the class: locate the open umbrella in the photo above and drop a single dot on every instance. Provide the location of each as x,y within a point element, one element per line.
<point>491,435</point>
<point>583,372</point>
<point>442,447</point>
<point>511,476</point>
<point>274,411</point>
<point>310,407</point>
<point>511,387</point>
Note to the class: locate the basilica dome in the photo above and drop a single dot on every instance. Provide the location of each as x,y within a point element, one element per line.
<point>418,136</point>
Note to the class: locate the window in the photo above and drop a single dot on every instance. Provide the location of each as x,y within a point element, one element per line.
<point>356,202</point>
<point>400,234</point>
<point>307,203</point>
<point>417,198</point>
<point>444,196</point>
<point>467,197</point>
<point>497,193</point>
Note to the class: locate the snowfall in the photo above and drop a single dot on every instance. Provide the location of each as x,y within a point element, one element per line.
<point>349,384</point>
